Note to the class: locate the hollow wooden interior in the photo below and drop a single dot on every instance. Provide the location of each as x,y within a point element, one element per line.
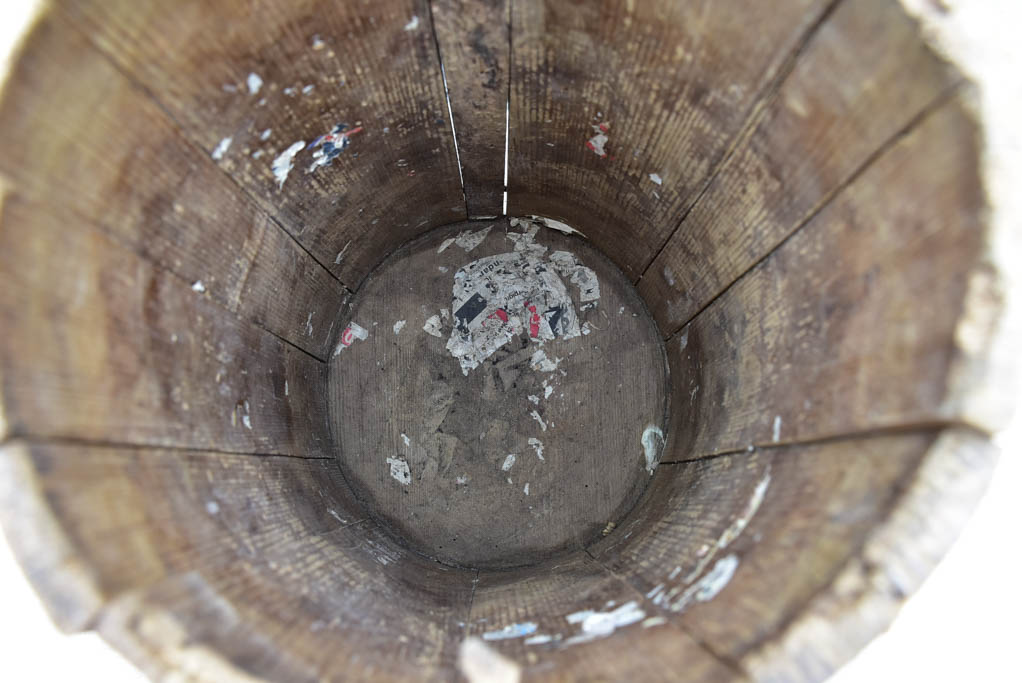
<point>794,187</point>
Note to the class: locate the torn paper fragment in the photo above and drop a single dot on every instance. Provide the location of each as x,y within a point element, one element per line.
<point>652,440</point>
<point>582,277</point>
<point>556,225</point>
<point>352,332</point>
<point>509,461</point>
<point>470,240</point>
<point>513,631</point>
<point>601,624</point>
<point>497,298</point>
<point>597,142</point>
<point>446,243</point>
<point>398,326</point>
<point>340,254</point>
<point>540,361</point>
<point>413,24</point>
<point>399,470</point>
<point>328,147</point>
<point>655,177</point>
<point>537,446</point>
<point>536,416</point>
<point>221,149</point>
<point>432,326</point>
<point>283,164</point>
<point>197,286</point>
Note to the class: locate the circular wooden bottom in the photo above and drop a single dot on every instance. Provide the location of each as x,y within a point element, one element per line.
<point>497,394</point>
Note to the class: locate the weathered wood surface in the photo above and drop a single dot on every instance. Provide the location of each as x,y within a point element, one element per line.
<point>474,42</point>
<point>371,65</point>
<point>570,427</point>
<point>850,325</point>
<point>260,563</point>
<point>107,155</point>
<point>546,595</point>
<point>101,345</point>
<point>662,77</point>
<point>864,80</point>
<point>730,549</point>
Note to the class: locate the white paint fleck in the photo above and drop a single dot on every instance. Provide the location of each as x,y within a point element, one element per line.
<point>655,177</point>
<point>683,339</point>
<point>669,276</point>
<point>247,421</point>
<point>283,164</point>
<point>537,418</point>
<point>537,446</point>
<point>652,440</point>
<point>710,585</point>
<point>398,326</point>
<point>413,24</point>
<point>287,392</point>
<point>432,326</point>
<point>212,507</point>
<point>254,83</point>
<point>509,462</point>
<point>512,631</point>
<point>526,489</point>
<point>659,587</point>
<point>479,663</point>
<point>405,439</point>
<point>446,243</point>
<point>654,621</point>
<point>399,470</point>
<point>307,89</point>
<point>674,573</point>
<point>461,481</point>
<point>265,135</point>
<point>601,624</point>
<point>197,286</point>
<point>317,42</point>
<point>308,325</point>
<point>340,254</point>
<point>221,148</point>
<point>442,269</point>
<point>257,154</point>
<point>540,639</point>
<point>333,513</point>
<point>777,428</point>
<point>540,361</point>
<point>290,92</point>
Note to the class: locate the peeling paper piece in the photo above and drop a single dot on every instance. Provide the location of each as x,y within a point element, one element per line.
<point>328,147</point>
<point>398,326</point>
<point>597,142</point>
<point>283,164</point>
<point>433,327</point>
<point>513,631</point>
<point>399,470</point>
<point>497,298</point>
<point>470,240</point>
<point>352,332</point>
<point>652,440</point>
<point>601,624</point>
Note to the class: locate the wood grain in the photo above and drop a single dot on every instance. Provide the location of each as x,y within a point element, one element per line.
<point>863,79</point>
<point>401,395</point>
<point>260,560</point>
<point>826,337</point>
<point>664,79</point>
<point>108,156</point>
<point>370,64</point>
<point>474,43</point>
<point>792,517</point>
<point>103,346</point>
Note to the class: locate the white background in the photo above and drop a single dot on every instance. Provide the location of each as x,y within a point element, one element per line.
<point>963,625</point>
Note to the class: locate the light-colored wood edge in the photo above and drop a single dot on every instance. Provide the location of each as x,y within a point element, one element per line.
<point>897,557</point>
<point>65,584</point>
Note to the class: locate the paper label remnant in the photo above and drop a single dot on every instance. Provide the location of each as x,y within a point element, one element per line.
<point>328,147</point>
<point>352,332</point>
<point>470,240</point>
<point>652,440</point>
<point>283,164</point>
<point>597,142</point>
<point>399,470</point>
<point>497,298</point>
<point>509,461</point>
<point>513,631</point>
<point>432,326</point>
<point>537,446</point>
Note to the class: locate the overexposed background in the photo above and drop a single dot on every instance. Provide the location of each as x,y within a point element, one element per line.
<point>961,626</point>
